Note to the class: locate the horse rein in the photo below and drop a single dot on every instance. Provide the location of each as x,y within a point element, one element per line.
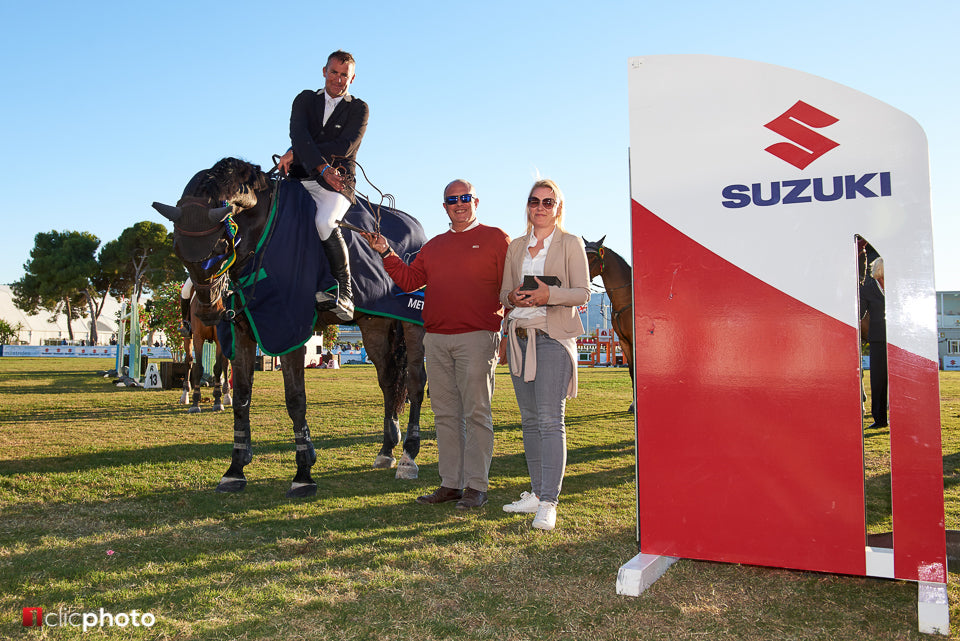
<point>230,315</point>
<point>353,179</point>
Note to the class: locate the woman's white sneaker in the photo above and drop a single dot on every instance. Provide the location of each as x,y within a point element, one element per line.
<point>527,504</point>
<point>546,517</point>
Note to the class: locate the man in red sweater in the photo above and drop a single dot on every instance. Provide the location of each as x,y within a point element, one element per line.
<point>462,270</point>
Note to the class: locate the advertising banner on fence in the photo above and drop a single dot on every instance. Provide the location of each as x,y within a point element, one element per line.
<point>68,351</point>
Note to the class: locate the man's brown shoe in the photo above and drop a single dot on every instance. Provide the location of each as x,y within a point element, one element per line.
<point>440,495</point>
<point>472,498</point>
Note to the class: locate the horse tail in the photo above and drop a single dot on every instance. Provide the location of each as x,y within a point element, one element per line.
<point>398,366</point>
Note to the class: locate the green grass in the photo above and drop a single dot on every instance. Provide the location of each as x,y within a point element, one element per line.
<point>106,501</point>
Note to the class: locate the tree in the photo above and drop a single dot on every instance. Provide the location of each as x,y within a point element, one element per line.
<point>140,260</point>
<point>164,310</point>
<point>8,332</point>
<point>330,335</point>
<point>96,295</point>
<point>58,276</point>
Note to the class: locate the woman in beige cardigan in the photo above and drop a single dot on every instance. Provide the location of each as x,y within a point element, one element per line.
<point>542,329</point>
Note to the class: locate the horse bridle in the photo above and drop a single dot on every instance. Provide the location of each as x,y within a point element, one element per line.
<point>217,285</point>
<point>230,315</point>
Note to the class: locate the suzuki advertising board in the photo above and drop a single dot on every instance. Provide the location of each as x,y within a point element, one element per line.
<point>750,184</point>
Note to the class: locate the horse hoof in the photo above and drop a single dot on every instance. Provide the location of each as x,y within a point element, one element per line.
<point>218,407</point>
<point>183,400</point>
<point>227,400</point>
<point>301,490</point>
<point>384,462</point>
<point>632,409</point>
<point>407,468</point>
<point>231,485</point>
<point>195,409</point>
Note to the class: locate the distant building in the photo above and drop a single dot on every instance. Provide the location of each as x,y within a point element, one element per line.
<point>948,329</point>
<point>598,312</point>
<point>43,326</point>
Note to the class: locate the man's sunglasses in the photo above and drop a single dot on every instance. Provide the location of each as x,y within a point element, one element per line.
<point>464,198</point>
<point>547,203</point>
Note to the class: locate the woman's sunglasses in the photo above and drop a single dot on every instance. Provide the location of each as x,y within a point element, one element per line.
<point>547,203</point>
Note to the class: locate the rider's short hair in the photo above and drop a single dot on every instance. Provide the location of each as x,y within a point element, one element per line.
<point>341,56</point>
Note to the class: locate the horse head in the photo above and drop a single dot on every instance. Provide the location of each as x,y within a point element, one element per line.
<point>213,228</point>
<point>594,256</point>
<point>201,241</point>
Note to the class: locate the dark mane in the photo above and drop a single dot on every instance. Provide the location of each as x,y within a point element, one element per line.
<point>230,180</point>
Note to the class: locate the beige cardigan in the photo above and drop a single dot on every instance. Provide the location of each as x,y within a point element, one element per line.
<point>567,260</point>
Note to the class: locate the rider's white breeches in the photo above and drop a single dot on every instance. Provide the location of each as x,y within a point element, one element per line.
<point>331,207</point>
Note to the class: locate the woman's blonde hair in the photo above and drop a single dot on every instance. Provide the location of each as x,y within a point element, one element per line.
<point>552,186</point>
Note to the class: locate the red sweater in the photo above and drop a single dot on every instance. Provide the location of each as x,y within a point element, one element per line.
<point>462,272</point>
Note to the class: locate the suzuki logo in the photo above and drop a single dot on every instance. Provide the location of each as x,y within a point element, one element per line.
<point>809,144</point>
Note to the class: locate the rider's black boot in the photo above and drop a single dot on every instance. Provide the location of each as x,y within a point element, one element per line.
<point>185,329</point>
<point>336,249</point>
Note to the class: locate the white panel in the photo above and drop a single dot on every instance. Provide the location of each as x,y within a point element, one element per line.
<point>698,127</point>
<point>880,562</point>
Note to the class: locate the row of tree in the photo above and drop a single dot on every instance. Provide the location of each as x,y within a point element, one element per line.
<point>67,275</point>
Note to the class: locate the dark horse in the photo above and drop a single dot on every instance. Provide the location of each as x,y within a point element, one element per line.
<point>193,357</point>
<point>202,235</point>
<point>617,277</point>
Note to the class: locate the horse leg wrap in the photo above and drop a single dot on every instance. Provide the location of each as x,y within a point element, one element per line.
<point>411,444</point>
<point>306,454</point>
<point>242,449</point>
<point>303,484</point>
<point>391,434</point>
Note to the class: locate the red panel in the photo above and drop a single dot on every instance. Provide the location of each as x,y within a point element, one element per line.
<point>916,461</point>
<point>748,413</point>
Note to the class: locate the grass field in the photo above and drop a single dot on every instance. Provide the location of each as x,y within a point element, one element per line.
<point>106,501</point>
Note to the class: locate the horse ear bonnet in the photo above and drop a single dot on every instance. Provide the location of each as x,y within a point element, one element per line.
<point>193,249</point>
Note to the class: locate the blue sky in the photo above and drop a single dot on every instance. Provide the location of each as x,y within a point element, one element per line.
<point>109,106</point>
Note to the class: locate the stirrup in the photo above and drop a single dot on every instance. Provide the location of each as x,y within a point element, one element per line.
<point>341,307</point>
<point>344,309</point>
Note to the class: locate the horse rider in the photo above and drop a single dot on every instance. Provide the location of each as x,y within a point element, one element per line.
<point>186,293</point>
<point>326,127</point>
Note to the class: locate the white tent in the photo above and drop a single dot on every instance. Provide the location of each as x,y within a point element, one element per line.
<point>43,326</point>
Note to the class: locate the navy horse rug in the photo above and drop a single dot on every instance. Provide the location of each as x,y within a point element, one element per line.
<point>276,289</point>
